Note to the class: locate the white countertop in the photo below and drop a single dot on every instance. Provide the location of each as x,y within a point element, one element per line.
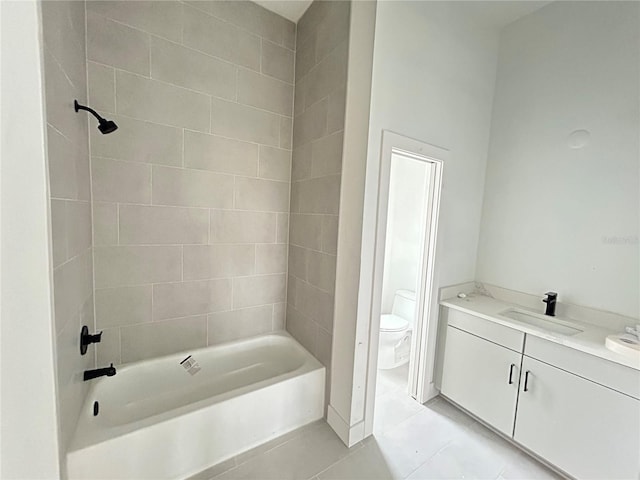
<point>591,340</point>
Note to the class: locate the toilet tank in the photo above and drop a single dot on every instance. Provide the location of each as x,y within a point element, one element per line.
<point>404,304</point>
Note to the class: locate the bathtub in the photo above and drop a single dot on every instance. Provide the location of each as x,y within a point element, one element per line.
<point>155,420</point>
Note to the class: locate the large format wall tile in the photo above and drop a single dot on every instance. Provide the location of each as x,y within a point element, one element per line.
<point>102,87</point>
<point>221,39</point>
<point>191,194</point>
<point>319,107</point>
<point>160,18</point>
<point>155,101</point>
<point>65,79</point>
<point>229,226</point>
<point>149,340</point>
<point>191,188</point>
<point>219,154</point>
<point>136,265</point>
<point>123,306</point>
<point>139,141</point>
<point>173,63</point>
<point>275,164</point>
<point>258,290</point>
<point>117,45</point>
<point>277,62</point>
<point>218,261</point>
<point>117,181</point>
<point>172,300</point>
<point>245,322</point>
<point>258,194</point>
<point>150,225</point>
<point>264,92</point>
<point>243,122</point>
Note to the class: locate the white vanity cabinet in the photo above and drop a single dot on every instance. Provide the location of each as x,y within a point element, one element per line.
<point>585,429</point>
<point>578,412</point>
<point>479,374</point>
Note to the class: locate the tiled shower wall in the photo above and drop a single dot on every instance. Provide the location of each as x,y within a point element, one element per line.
<point>321,75</point>
<point>191,193</point>
<point>63,25</point>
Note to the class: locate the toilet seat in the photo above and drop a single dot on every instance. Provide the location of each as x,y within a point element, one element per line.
<point>393,323</point>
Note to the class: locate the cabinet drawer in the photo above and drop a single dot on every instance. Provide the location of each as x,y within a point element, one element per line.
<point>612,375</point>
<point>494,332</point>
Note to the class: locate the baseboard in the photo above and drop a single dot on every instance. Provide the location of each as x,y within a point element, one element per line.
<point>350,435</point>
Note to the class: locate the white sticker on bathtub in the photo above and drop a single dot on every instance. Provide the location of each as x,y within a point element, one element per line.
<point>190,365</point>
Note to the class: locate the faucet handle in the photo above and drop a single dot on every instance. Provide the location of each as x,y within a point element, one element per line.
<point>86,339</point>
<point>551,294</point>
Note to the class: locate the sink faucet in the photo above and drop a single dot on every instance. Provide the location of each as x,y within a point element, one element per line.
<point>551,300</point>
<point>109,371</point>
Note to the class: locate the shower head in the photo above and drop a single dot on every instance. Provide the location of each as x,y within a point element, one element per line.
<point>105,126</point>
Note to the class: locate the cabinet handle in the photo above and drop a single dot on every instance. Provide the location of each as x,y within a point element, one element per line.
<point>511,373</point>
<point>526,381</point>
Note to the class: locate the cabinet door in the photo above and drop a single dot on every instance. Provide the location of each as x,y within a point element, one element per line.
<point>583,428</point>
<point>477,374</point>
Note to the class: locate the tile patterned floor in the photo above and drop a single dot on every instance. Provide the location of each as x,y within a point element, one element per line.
<point>410,441</point>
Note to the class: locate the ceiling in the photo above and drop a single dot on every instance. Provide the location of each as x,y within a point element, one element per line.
<point>290,9</point>
<point>492,13</point>
<point>498,14</point>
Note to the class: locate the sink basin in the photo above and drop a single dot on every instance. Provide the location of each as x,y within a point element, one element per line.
<point>541,322</point>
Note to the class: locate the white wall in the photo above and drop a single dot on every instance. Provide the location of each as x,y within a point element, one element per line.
<point>405,227</point>
<point>433,80</point>
<point>557,218</point>
<point>29,437</point>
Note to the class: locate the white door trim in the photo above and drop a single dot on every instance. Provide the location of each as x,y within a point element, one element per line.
<point>421,374</point>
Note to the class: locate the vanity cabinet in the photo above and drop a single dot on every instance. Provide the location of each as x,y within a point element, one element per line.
<point>482,374</point>
<point>583,428</point>
<point>578,412</point>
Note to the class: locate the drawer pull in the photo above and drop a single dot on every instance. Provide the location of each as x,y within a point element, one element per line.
<point>511,373</point>
<point>526,381</point>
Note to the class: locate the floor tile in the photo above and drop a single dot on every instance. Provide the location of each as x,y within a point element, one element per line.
<point>299,458</point>
<point>392,409</point>
<point>523,467</point>
<point>411,441</point>
<point>368,463</point>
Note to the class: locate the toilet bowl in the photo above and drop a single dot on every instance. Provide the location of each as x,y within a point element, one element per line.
<point>395,331</point>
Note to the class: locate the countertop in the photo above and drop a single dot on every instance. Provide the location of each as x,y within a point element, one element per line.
<point>591,340</point>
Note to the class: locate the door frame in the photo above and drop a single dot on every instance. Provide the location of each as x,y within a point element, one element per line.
<point>421,381</point>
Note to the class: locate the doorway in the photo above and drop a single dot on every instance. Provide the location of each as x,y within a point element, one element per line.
<point>402,340</point>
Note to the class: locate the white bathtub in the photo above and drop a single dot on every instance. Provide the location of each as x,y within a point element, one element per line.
<point>157,421</point>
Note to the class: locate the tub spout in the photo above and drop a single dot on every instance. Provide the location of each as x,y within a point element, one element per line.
<point>109,371</point>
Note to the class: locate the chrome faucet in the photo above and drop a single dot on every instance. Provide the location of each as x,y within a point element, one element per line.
<point>552,298</point>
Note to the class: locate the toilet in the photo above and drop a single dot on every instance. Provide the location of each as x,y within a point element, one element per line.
<point>395,331</point>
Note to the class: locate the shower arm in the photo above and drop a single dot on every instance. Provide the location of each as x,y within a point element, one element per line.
<point>77,107</point>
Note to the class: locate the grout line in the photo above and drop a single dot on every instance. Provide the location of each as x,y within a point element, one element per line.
<point>191,129</point>
<point>210,118</point>
<point>117,224</point>
<point>201,93</point>
<point>183,135</point>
